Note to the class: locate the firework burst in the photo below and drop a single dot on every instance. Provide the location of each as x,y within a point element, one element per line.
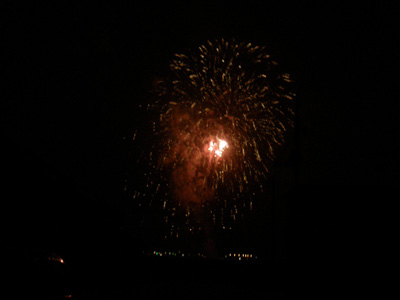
<point>220,116</point>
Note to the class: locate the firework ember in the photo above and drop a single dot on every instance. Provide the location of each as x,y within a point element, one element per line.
<point>221,115</point>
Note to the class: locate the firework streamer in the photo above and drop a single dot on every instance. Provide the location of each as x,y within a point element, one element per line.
<point>221,115</point>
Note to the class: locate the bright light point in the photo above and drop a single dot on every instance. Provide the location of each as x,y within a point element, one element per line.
<point>222,145</point>
<point>211,148</point>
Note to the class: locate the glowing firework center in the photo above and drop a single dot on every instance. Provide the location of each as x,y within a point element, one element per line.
<point>217,148</point>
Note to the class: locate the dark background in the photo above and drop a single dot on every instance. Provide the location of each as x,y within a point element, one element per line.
<point>73,76</point>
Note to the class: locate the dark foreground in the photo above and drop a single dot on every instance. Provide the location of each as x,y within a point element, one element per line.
<point>39,275</point>
<point>160,278</point>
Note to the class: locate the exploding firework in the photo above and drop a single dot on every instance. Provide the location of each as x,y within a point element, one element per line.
<point>221,115</point>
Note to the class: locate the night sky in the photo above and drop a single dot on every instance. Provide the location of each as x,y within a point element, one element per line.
<point>74,75</point>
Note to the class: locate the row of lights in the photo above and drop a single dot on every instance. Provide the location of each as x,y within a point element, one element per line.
<point>175,254</point>
<point>239,256</point>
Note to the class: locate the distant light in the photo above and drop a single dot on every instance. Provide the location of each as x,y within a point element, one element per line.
<point>56,258</point>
